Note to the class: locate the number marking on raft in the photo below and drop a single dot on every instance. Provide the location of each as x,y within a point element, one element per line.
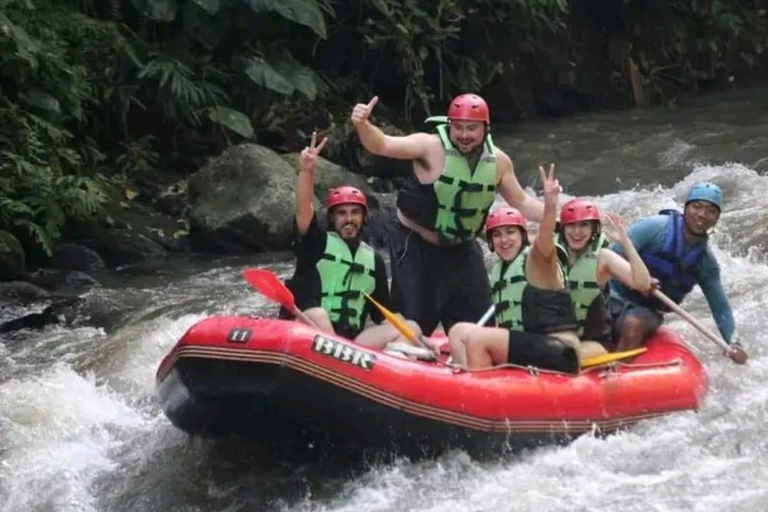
<point>239,335</point>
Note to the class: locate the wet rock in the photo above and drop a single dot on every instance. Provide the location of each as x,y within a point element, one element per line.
<point>243,201</point>
<point>22,292</point>
<point>12,258</point>
<point>131,232</point>
<point>124,246</point>
<point>31,321</point>
<point>382,220</point>
<point>173,200</point>
<point>70,256</point>
<point>24,306</point>
<point>78,279</point>
<point>47,278</point>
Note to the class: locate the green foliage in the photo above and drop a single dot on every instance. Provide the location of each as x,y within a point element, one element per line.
<point>210,6</point>
<point>38,191</point>
<point>232,119</point>
<point>158,10</point>
<point>184,94</point>
<point>138,157</point>
<point>304,12</point>
<point>124,88</point>
<point>455,39</point>
<point>679,44</point>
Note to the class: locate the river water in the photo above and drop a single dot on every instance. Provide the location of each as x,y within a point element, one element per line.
<point>80,429</point>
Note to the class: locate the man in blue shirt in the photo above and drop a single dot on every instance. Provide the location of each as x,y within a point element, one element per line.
<point>674,248</point>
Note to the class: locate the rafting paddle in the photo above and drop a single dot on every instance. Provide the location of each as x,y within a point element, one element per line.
<point>486,316</point>
<point>270,286</point>
<point>613,356</point>
<point>398,324</point>
<point>696,324</point>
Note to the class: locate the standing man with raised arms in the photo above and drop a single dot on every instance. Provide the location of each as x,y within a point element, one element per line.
<point>438,274</point>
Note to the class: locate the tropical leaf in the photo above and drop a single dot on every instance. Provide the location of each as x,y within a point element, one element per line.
<point>232,119</point>
<point>45,240</point>
<point>25,45</point>
<point>263,74</point>
<point>301,77</point>
<point>158,10</point>
<point>209,6</point>
<point>204,27</point>
<point>42,101</point>
<point>303,12</point>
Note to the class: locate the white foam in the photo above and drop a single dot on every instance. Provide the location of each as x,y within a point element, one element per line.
<point>58,429</point>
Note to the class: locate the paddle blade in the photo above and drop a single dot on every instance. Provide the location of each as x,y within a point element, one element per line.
<point>613,356</point>
<point>270,286</point>
<point>394,320</point>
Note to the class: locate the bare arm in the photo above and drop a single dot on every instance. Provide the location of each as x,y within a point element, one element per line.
<point>411,147</point>
<point>545,240</point>
<point>633,274</point>
<point>305,186</point>
<point>513,193</point>
<point>542,267</point>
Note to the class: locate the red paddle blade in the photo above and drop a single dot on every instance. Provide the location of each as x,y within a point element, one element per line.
<point>270,286</point>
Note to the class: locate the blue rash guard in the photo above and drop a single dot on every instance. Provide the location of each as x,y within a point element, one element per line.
<point>649,235</point>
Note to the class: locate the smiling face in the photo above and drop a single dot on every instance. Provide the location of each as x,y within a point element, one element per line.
<point>700,217</point>
<point>467,136</point>
<point>507,242</point>
<point>578,234</point>
<point>348,220</point>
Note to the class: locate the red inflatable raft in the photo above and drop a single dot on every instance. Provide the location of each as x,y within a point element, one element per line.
<point>281,382</point>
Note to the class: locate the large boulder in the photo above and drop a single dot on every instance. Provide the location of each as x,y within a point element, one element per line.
<point>130,232</point>
<point>69,256</point>
<point>243,201</point>
<point>328,175</point>
<point>382,220</point>
<point>12,261</point>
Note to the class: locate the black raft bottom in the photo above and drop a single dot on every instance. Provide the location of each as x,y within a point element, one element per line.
<point>287,409</point>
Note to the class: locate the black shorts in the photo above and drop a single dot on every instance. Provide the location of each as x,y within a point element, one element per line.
<point>541,351</point>
<point>620,307</point>
<point>432,285</point>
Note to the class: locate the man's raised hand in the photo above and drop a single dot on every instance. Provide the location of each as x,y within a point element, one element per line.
<point>309,154</point>
<point>362,111</point>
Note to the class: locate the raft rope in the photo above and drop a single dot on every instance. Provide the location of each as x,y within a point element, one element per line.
<point>533,370</point>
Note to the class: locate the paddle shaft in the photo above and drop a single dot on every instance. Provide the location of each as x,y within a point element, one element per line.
<point>688,318</point>
<point>304,318</point>
<point>486,316</point>
<point>398,324</point>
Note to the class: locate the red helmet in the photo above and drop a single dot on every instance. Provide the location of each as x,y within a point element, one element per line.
<point>469,107</point>
<point>505,217</point>
<point>578,210</point>
<point>346,195</point>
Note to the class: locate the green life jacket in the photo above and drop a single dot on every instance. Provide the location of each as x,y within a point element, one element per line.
<point>463,196</point>
<point>582,278</point>
<point>507,284</point>
<point>344,279</point>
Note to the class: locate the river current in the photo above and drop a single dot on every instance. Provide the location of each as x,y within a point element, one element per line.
<point>81,430</point>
